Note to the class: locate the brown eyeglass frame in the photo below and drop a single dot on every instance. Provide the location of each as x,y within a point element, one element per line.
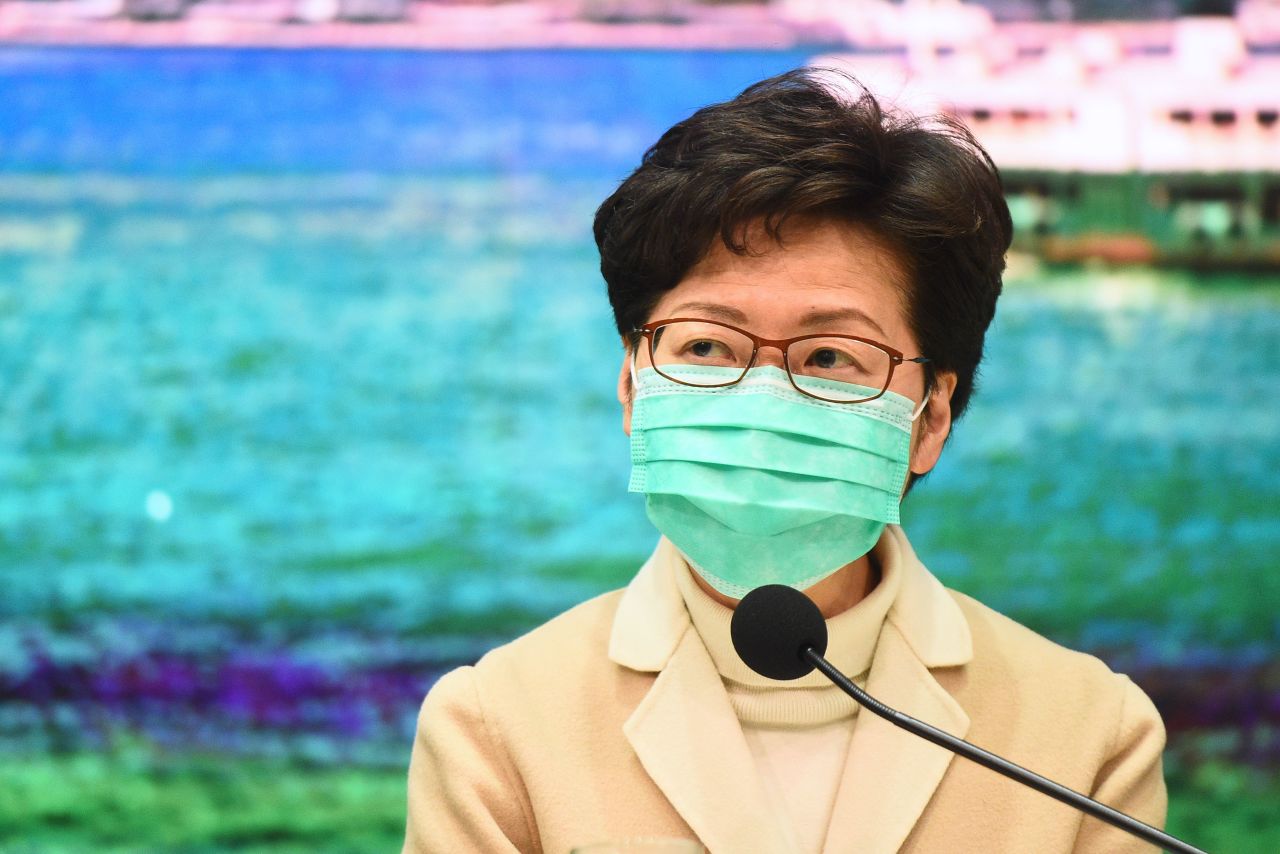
<point>781,344</point>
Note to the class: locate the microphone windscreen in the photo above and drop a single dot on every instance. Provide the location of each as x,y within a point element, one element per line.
<point>771,628</point>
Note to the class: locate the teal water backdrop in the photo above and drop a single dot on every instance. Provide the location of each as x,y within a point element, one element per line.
<point>307,395</point>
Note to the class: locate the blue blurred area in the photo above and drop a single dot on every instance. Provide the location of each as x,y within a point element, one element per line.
<point>184,111</point>
<point>307,394</point>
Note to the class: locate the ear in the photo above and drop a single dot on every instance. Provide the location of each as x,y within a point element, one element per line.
<point>625,392</point>
<point>933,425</point>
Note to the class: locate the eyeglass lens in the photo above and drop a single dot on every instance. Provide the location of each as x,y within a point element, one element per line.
<point>819,366</point>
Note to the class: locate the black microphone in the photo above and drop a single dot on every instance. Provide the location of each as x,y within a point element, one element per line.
<point>780,634</point>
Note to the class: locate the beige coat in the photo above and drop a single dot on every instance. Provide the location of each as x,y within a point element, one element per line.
<point>611,721</point>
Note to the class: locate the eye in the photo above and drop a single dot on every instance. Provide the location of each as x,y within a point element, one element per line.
<point>694,342</point>
<point>827,358</point>
<point>841,359</point>
<point>830,359</point>
<point>707,349</point>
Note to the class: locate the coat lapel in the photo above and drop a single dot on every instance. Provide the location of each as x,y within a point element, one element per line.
<point>891,774</point>
<point>684,731</point>
<point>691,744</point>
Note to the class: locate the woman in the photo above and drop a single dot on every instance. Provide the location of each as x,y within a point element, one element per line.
<point>803,283</point>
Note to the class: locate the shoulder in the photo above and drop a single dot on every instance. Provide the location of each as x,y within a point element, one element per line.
<point>1012,649</point>
<point>1018,677</point>
<point>578,633</point>
<point>1066,713</point>
<point>561,658</point>
<point>548,704</point>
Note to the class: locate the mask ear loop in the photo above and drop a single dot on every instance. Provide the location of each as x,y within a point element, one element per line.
<point>928,390</point>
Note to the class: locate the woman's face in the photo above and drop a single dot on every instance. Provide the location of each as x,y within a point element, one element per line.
<point>826,276</point>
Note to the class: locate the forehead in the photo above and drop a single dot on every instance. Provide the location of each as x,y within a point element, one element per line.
<point>819,266</point>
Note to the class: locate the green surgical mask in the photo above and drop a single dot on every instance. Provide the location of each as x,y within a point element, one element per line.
<point>759,484</point>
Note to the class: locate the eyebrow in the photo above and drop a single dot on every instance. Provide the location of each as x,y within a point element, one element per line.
<point>828,317</point>
<point>812,320</point>
<point>723,312</point>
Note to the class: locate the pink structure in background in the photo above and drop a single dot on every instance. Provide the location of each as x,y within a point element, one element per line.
<point>866,24</point>
<point>1134,141</point>
<point>1148,142</point>
<point>398,23</point>
<point>1085,103</point>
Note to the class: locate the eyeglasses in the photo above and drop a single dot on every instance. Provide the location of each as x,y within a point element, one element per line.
<point>814,363</point>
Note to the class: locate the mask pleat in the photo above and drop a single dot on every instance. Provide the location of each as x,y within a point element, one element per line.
<point>754,407</point>
<point>873,461</point>
<point>766,501</point>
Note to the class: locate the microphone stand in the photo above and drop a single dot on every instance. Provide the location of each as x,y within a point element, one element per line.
<point>1114,817</point>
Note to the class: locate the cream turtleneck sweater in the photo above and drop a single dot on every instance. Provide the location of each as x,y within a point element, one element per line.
<point>798,731</point>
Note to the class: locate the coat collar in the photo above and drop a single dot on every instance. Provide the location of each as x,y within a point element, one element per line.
<point>651,617</point>
<point>690,743</point>
<point>925,615</point>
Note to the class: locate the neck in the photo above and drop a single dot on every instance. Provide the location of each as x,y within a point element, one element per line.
<point>833,595</point>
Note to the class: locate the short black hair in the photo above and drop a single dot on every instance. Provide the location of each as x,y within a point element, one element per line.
<point>816,142</point>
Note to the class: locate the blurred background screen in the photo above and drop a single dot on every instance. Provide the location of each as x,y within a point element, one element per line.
<point>307,374</point>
